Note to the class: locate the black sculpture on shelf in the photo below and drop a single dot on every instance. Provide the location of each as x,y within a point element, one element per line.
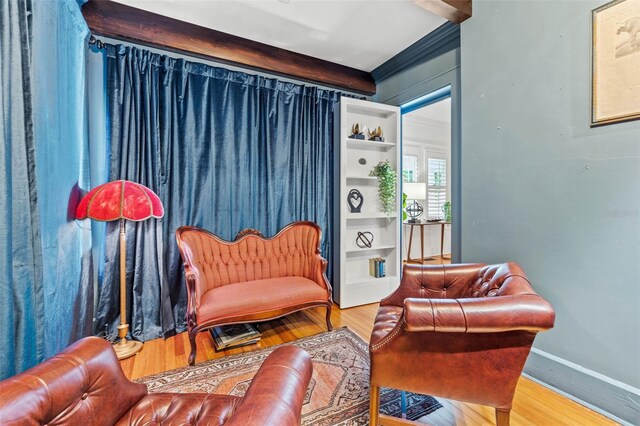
<point>364,239</point>
<point>355,200</point>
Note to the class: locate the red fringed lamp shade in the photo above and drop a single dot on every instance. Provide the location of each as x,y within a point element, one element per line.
<point>120,199</point>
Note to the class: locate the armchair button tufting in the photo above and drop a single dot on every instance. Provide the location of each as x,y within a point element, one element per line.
<point>84,395</point>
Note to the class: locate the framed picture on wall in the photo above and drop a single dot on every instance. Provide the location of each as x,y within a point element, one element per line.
<point>616,62</point>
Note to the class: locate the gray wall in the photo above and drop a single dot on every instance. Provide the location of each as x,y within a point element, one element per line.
<point>420,80</point>
<point>542,188</point>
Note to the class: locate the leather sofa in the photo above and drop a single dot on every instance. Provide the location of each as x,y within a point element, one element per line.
<point>461,332</point>
<point>84,385</point>
<point>252,278</point>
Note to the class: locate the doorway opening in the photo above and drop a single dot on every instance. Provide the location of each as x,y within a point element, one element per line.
<point>426,179</point>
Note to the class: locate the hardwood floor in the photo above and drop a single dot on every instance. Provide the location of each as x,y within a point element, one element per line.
<point>533,403</point>
<point>436,260</point>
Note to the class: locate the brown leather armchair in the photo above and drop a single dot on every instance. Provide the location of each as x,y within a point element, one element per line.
<point>461,332</point>
<point>84,385</point>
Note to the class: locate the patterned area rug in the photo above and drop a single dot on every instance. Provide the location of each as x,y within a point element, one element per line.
<point>337,395</point>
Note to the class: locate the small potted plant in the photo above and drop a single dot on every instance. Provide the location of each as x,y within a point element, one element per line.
<point>446,209</point>
<point>387,180</point>
<point>404,207</point>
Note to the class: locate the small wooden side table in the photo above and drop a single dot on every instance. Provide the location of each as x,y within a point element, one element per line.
<point>422,225</point>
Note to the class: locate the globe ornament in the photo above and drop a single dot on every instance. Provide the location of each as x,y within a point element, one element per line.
<point>414,211</point>
<point>364,239</point>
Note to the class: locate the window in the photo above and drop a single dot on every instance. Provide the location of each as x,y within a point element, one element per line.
<point>436,187</point>
<point>409,168</point>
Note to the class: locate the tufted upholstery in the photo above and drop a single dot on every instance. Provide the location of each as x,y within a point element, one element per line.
<point>252,278</point>
<point>75,385</point>
<point>181,409</point>
<point>473,325</point>
<point>84,385</point>
<point>292,253</point>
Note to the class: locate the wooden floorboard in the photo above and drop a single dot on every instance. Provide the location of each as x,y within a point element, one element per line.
<point>533,403</point>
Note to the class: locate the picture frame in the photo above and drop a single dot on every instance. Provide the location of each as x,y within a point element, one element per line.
<point>615,90</point>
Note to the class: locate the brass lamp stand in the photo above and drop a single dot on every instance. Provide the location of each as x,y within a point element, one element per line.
<point>125,347</point>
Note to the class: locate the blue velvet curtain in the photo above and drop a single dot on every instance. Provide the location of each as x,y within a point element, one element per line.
<point>45,299</point>
<point>225,151</point>
<point>62,166</point>
<point>21,293</point>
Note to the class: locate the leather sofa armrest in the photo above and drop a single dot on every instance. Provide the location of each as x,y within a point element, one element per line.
<point>70,387</point>
<point>528,312</point>
<point>276,393</point>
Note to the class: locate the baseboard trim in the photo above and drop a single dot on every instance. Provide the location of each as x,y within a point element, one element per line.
<point>609,397</point>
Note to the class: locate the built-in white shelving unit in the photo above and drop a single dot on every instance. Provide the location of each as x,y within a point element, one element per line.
<point>353,284</point>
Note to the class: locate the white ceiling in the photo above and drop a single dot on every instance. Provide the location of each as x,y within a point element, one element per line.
<point>439,111</point>
<point>360,34</point>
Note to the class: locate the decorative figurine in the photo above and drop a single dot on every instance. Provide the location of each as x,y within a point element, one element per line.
<point>355,132</point>
<point>376,135</point>
<point>364,239</point>
<point>355,200</point>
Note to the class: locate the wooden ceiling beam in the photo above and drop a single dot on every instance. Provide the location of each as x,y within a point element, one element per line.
<point>456,11</point>
<point>115,20</point>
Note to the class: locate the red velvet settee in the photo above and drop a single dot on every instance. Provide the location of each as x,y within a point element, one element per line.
<point>252,278</point>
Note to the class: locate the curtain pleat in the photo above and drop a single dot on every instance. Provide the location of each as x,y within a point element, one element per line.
<point>21,291</point>
<point>225,151</point>
<point>45,263</point>
<point>62,166</point>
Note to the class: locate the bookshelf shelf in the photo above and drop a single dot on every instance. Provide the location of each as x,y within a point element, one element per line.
<point>369,145</point>
<point>368,215</point>
<point>375,281</point>
<point>368,179</point>
<point>368,250</point>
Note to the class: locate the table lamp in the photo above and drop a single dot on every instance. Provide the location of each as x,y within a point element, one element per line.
<point>415,191</point>
<point>120,200</point>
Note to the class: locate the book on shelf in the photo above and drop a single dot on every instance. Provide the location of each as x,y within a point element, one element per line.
<point>378,267</point>
<point>235,335</point>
